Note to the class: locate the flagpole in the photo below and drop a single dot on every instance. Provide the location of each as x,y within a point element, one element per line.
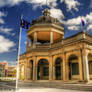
<point>47,3</point>
<point>17,74</point>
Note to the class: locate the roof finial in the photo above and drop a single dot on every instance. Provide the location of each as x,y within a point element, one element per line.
<point>46,12</point>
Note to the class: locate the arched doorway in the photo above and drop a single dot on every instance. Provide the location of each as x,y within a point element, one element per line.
<point>58,69</point>
<point>31,69</point>
<point>22,72</point>
<point>43,70</point>
<point>73,67</point>
<point>90,65</point>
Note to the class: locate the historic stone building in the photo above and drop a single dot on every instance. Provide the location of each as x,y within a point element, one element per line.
<point>50,56</point>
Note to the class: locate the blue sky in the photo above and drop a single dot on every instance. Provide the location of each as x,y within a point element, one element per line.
<point>69,12</point>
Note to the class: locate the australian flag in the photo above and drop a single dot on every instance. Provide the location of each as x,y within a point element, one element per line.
<point>25,24</point>
<point>82,22</point>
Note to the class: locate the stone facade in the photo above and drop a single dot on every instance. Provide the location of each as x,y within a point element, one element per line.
<point>54,57</point>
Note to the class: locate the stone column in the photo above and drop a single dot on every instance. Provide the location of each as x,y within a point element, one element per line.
<point>25,72</point>
<point>85,65</point>
<point>80,67</point>
<point>34,69</point>
<point>51,37</point>
<point>64,66</point>
<point>66,70</point>
<point>51,68</point>
<point>35,39</point>
<point>36,72</point>
<point>54,77</point>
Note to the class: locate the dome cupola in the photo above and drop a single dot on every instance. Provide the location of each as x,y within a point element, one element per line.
<point>46,18</point>
<point>45,29</point>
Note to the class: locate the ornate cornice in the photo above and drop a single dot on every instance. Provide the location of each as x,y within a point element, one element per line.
<point>62,43</point>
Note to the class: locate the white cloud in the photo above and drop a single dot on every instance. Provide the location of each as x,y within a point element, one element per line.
<point>5,30</point>
<point>75,23</point>
<point>89,27</point>
<point>2,14</point>
<point>9,2</point>
<point>71,4</point>
<point>25,42</point>
<point>40,3</point>
<point>12,63</point>
<point>1,21</point>
<point>73,27</point>
<point>5,44</point>
<point>51,3</point>
<point>57,13</point>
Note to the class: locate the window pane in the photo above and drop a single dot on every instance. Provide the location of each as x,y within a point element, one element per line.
<point>58,71</point>
<point>75,69</point>
<point>45,71</point>
<point>90,67</point>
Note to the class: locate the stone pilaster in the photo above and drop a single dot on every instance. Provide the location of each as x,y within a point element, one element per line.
<point>51,69</point>
<point>25,72</point>
<point>19,73</point>
<point>54,72</point>
<point>66,70</point>
<point>80,66</point>
<point>64,66</point>
<point>34,69</point>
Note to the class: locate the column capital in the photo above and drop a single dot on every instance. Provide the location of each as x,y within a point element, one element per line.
<point>84,52</point>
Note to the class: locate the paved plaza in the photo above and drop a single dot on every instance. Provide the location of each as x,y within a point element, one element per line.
<point>47,90</point>
<point>7,86</point>
<point>42,90</point>
<point>34,86</point>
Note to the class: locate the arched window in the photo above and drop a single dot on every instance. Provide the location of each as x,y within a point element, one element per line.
<point>43,69</point>
<point>58,69</point>
<point>73,66</point>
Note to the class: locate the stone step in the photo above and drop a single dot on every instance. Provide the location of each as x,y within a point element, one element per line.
<point>59,85</point>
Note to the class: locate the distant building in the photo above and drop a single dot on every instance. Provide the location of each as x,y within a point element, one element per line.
<point>11,71</point>
<point>3,69</point>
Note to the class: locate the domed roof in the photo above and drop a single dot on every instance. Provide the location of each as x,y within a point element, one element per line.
<point>46,18</point>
